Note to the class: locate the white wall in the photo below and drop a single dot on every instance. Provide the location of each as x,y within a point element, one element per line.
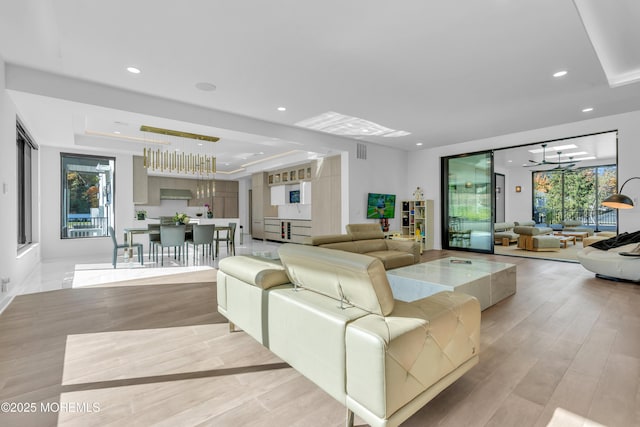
<point>384,171</point>
<point>13,265</point>
<point>517,205</point>
<point>55,247</point>
<point>425,165</point>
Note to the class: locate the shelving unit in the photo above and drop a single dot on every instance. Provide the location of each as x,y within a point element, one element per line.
<point>417,221</point>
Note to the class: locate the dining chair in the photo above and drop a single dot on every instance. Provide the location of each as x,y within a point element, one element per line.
<point>202,236</point>
<point>171,236</point>
<point>125,246</point>
<point>154,236</point>
<point>229,239</point>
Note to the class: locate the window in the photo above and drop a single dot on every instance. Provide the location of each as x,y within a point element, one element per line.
<point>575,194</point>
<point>24,148</point>
<point>87,196</point>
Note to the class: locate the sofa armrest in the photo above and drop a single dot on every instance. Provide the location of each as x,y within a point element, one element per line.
<point>405,246</point>
<point>393,359</point>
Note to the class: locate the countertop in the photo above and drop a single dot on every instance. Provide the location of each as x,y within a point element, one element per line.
<point>287,219</point>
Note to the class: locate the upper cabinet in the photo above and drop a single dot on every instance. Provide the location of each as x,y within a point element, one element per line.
<point>292,175</point>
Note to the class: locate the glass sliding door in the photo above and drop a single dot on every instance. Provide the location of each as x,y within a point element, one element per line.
<point>468,198</point>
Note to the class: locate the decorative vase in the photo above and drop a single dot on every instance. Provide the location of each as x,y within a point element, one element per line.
<point>209,214</point>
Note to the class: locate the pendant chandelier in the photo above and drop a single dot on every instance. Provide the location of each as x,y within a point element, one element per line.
<point>164,160</point>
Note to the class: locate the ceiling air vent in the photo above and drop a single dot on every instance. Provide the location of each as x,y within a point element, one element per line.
<point>361,151</point>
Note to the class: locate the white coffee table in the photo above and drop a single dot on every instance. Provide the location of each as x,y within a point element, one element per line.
<point>488,281</point>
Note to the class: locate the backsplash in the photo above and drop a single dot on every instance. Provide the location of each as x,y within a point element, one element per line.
<point>171,207</point>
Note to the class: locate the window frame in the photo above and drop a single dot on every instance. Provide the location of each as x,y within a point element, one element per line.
<point>25,147</point>
<point>103,221</point>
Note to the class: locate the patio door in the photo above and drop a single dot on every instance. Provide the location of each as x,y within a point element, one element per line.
<point>468,197</point>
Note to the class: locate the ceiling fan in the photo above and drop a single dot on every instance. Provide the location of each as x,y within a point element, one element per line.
<point>561,164</point>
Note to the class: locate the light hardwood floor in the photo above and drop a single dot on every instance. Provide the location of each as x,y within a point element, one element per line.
<point>563,351</point>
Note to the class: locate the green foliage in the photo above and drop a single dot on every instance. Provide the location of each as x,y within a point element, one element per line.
<point>571,194</point>
<point>83,192</point>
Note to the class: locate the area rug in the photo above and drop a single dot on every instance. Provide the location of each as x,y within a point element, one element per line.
<point>567,255</point>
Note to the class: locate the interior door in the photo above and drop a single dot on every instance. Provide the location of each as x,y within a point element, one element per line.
<point>468,196</point>
<point>500,195</point>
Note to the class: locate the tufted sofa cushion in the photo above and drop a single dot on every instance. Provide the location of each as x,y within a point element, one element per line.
<point>356,279</point>
<point>418,344</point>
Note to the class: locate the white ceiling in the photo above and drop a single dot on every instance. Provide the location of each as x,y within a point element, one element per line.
<point>444,71</point>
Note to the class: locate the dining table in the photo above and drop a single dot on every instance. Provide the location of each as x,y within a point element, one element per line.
<point>130,231</point>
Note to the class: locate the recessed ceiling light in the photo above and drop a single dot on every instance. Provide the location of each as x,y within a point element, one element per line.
<point>418,144</point>
<point>133,70</point>
<point>200,144</point>
<point>586,110</point>
<point>560,73</point>
<point>509,161</point>
<point>117,132</point>
<point>206,86</point>
<point>282,109</point>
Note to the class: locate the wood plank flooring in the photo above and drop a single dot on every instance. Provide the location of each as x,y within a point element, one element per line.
<point>563,351</point>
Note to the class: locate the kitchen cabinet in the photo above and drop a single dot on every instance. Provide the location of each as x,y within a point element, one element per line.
<point>286,230</point>
<point>260,204</point>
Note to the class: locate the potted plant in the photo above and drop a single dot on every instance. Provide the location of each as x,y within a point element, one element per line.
<point>209,211</point>
<point>141,214</point>
<point>181,218</point>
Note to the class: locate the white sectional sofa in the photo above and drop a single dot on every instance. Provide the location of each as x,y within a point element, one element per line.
<point>610,264</point>
<point>331,315</point>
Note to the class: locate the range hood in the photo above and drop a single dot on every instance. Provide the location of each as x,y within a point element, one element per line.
<point>174,194</point>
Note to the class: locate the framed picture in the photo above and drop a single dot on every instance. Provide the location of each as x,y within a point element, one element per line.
<point>308,173</point>
<point>285,176</point>
<point>301,174</point>
<point>292,175</point>
<point>276,178</point>
<point>270,179</point>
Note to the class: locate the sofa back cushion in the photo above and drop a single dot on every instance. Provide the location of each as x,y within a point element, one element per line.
<point>366,231</point>
<point>503,226</point>
<point>342,246</point>
<point>571,223</point>
<point>359,280</point>
<point>373,245</point>
<point>326,239</point>
<point>258,272</point>
<point>525,223</point>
